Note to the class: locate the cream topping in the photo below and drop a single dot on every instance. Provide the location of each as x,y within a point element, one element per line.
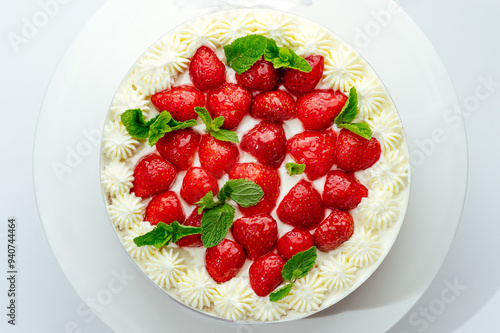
<point>233,25</point>
<point>307,293</point>
<point>338,274</point>
<point>201,31</point>
<point>371,98</point>
<point>126,211</point>
<point>197,288</point>
<point>265,310</point>
<point>117,144</point>
<point>165,268</point>
<point>277,26</point>
<point>387,129</point>
<point>343,68</point>
<point>117,178</point>
<point>312,39</point>
<point>130,98</point>
<point>141,252</point>
<point>363,248</point>
<point>390,173</point>
<point>379,210</point>
<point>234,299</point>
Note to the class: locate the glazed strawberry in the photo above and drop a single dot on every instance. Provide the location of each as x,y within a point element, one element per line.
<point>266,142</point>
<point>206,70</point>
<point>302,206</point>
<point>343,191</point>
<point>355,153</point>
<point>225,260</point>
<point>152,175</point>
<point>231,101</point>
<point>194,220</point>
<point>196,183</point>
<point>180,101</point>
<point>257,234</point>
<point>265,274</point>
<point>314,149</point>
<point>164,207</point>
<point>295,241</point>
<point>217,157</point>
<point>273,105</point>
<point>179,147</point>
<point>268,179</point>
<point>334,230</point>
<point>318,109</point>
<point>261,76</point>
<point>300,83</point>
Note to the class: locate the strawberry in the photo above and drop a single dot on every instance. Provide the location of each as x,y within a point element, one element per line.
<point>180,101</point>
<point>268,179</point>
<point>266,142</point>
<point>224,260</point>
<point>257,234</point>
<point>295,241</point>
<point>318,109</point>
<point>217,157</point>
<point>355,153</point>
<point>231,101</point>
<point>164,207</point>
<point>152,175</point>
<point>265,274</point>
<point>334,230</point>
<point>194,220</point>
<point>314,149</point>
<point>302,206</point>
<point>343,191</point>
<point>300,83</point>
<point>196,183</point>
<point>261,76</point>
<point>206,70</point>
<point>273,105</point>
<point>179,147</point>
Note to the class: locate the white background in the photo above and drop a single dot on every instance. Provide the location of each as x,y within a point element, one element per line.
<point>465,34</point>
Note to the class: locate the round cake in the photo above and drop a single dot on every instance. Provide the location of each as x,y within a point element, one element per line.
<point>254,166</point>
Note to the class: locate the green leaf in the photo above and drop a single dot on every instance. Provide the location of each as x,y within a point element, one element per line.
<point>207,202</point>
<point>134,122</point>
<point>295,169</point>
<point>180,231</point>
<point>299,265</point>
<point>350,109</point>
<point>159,128</point>
<point>242,53</point>
<point>281,293</point>
<point>299,63</point>
<point>178,125</point>
<point>244,192</point>
<point>225,135</point>
<point>285,57</point>
<point>272,50</point>
<point>215,224</point>
<point>361,129</point>
<point>217,123</point>
<point>158,237</point>
<point>204,116</point>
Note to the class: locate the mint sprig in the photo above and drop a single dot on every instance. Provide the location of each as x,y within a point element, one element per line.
<point>164,233</point>
<point>214,126</point>
<point>347,115</point>
<point>295,268</point>
<point>154,129</point>
<point>295,168</point>
<point>283,57</point>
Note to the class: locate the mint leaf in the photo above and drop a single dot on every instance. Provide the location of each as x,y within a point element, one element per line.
<point>215,224</point>
<point>299,265</point>
<point>281,293</point>
<point>163,234</point>
<point>242,53</point>
<point>180,231</point>
<point>213,127</point>
<point>295,169</point>
<point>361,129</point>
<point>217,123</point>
<point>204,116</point>
<point>244,192</point>
<point>178,125</point>
<point>207,202</point>
<point>134,122</point>
<point>272,50</point>
<point>350,109</point>
<point>289,59</point>
<point>225,135</point>
<point>159,128</point>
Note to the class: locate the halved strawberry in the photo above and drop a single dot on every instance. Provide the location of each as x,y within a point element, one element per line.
<point>302,206</point>
<point>274,105</point>
<point>295,241</point>
<point>265,274</point>
<point>355,153</point>
<point>300,83</point>
<point>152,175</point>
<point>179,147</point>
<point>164,207</point>
<point>194,220</point>
<point>196,183</point>
<point>266,142</point>
<point>318,109</point>
<point>231,101</point>
<point>257,234</point>
<point>334,230</point>
<point>207,71</point>
<point>180,101</point>
<point>261,76</point>
<point>224,260</point>
<point>343,191</point>
<point>217,157</point>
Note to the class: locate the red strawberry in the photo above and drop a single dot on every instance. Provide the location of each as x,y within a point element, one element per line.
<point>355,153</point>
<point>265,274</point>
<point>334,230</point>
<point>207,71</point>
<point>274,105</point>
<point>194,220</point>
<point>164,207</point>
<point>257,234</point>
<point>217,157</point>
<point>261,76</point>
<point>302,206</point>
<point>266,142</point>
<point>318,109</point>
<point>153,175</point>
<point>268,179</point>
<point>231,101</point>
<point>300,83</point>
<point>295,241</point>
<point>180,101</point>
<point>179,147</point>
<point>196,183</point>
<point>225,260</point>
<point>343,191</point>
<point>314,149</point>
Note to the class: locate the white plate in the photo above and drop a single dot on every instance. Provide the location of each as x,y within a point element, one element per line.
<point>67,180</point>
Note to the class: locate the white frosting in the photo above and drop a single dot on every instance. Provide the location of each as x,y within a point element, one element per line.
<point>307,293</point>
<point>390,173</point>
<point>313,39</point>
<point>117,144</point>
<point>371,98</point>
<point>343,68</point>
<point>387,129</point>
<point>338,274</point>
<point>265,310</point>
<point>201,31</point>
<point>126,211</point>
<point>379,210</point>
<point>197,288</point>
<point>234,299</point>
<point>363,248</point>
<point>277,26</point>
<point>117,178</point>
<point>141,252</point>
<point>130,98</point>
<point>165,268</point>
<point>233,25</point>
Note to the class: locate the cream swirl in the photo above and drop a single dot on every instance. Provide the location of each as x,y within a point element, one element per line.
<point>363,248</point>
<point>338,274</point>
<point>165,268</point>
<point>117,178</point>
<point>390,173</point>
<point>117,144</point>
<point>343,68</point>
<point>127,99</point>
<point>197,288</point>
<point>201,31</point>
<point>265,310</point>
<point>313,39</point>
<point>234,299</point>
<point>387,129</point>
<point>233,25</point>
<point>138,252</point>
<point>277,26</point>
<point>307,293</point>
<point>379,210</point>
<point>371,97</point>
<point>126,211</point>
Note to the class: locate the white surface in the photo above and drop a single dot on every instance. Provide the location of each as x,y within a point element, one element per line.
<point>53,308</point>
